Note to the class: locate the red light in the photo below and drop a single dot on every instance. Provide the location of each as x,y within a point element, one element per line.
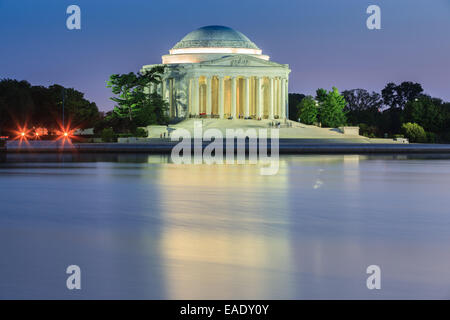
<point>65,134</point>
<point>22,134</point>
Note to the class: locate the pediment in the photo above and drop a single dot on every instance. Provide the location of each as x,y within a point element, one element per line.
<point>241,61</point>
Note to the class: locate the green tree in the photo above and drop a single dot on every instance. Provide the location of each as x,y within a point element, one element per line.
<point>133,97</point>
<point>126,87</point>
<point>332,109</point>
<point>321,95</point>
<point>414,132</point>
<point>153,111</point>
<point>140,132</point>
<point>307,110</point>
<point>396,96</point>
<point>294,100</point>
<point>23,105</point>
<point>16,104</point>
<point>362,106</point>
<point>425,112</point>
<point>108,135</point>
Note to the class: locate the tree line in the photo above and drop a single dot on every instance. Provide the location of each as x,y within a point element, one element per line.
<point>25,106</point>
<point>399,110</point>
<point>135,105</point>
<point>402,109</point>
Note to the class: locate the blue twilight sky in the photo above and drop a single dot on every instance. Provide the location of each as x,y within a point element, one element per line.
<point>325,42</point>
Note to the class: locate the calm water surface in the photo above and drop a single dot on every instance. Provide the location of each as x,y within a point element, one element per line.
<point>142,227</point>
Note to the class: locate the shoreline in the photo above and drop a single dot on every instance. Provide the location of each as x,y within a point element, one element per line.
<point>286,146</point>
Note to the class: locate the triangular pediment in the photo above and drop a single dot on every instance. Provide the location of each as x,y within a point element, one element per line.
<point>241,61</point>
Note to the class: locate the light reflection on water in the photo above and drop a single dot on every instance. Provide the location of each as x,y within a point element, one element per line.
<point>142,227</point>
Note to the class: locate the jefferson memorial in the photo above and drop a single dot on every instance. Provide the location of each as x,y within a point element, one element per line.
<point>217,72</point>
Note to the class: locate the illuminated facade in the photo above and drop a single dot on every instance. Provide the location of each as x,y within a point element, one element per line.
<point>218,72</point>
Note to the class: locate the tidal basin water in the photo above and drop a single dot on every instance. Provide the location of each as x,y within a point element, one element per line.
<point>142,227</point>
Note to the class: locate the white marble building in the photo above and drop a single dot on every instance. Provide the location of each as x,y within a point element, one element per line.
<point>218,72</point>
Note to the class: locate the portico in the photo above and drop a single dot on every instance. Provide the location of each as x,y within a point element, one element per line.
<point>199,82</point>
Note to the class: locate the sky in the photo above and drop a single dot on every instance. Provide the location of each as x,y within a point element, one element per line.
<point>325,42</point>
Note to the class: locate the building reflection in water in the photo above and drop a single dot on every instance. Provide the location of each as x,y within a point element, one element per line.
<point>143,227</point>
<point>228,230</point>
<point>225,231</point>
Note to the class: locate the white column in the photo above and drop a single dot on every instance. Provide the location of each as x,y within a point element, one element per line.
<point>233,97</point>
<point>208,96</point>
<point>196,108</point>
<point>191,96</point>
<point>247,97</point>
<point>171,104</point>
<point>163,93</point>
<point>271,98</point>
<point>259,98</point>
<point>277,97</point>
<point>221,96</point>
<point>283,99</point>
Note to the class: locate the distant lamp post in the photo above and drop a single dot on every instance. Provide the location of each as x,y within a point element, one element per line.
<point>63,108</point>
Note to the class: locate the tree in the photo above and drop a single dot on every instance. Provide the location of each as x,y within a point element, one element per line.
<point>361,99</point>
<point>362,106</point>
<point>16,104</point>
<point>426,113</point>
<point>78,111</point>
<point>23,105</point>
<point>108,135</point>
<point>332,109</point>
<point>126,87</point>
<point>414,132</point>
<point>293,100</point>
<point>321,95</point>
<point>134,102</point>
<point>307,110</point>
<point>396,96</point>
<point>153,111</point>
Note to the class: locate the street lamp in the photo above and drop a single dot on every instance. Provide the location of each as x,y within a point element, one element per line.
<point>63,107</point>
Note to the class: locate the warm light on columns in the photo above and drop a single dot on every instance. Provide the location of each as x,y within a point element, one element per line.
<point>233,97</point>
<point>221,97</point>
<point>271,98</point>
<point>247,97</point>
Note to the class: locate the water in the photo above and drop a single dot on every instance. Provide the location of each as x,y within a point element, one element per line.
<point>141,227</point>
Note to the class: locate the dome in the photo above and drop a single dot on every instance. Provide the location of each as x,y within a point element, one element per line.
<point>215,37</point>
<point>209,43</point>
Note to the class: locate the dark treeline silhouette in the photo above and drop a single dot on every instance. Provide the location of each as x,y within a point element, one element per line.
<point>384,114</point>
<point>377,114</point>
<point>24,105</point>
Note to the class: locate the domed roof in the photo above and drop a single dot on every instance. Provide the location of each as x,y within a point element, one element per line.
<point>215,37</point>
